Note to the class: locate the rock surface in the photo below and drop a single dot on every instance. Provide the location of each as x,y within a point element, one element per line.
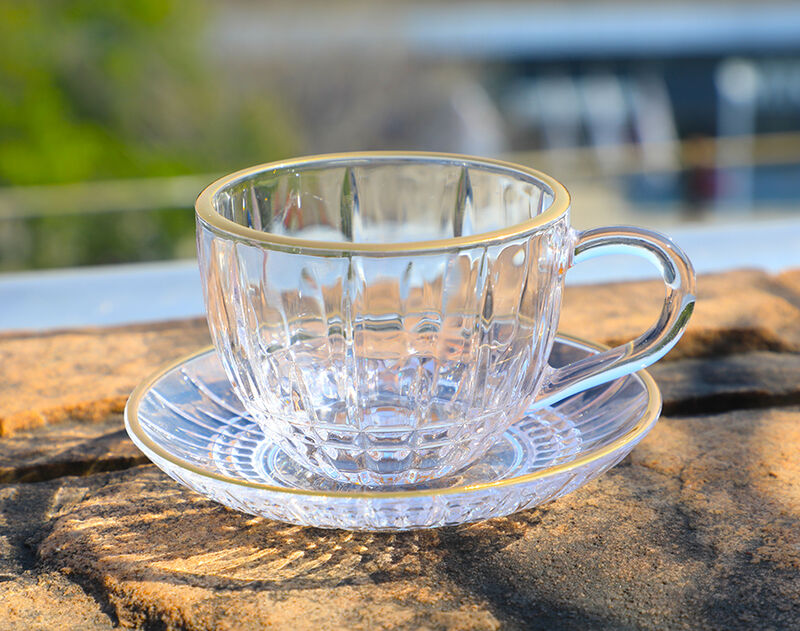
<point>698,528</point>
<point>747,380</point>
<point>84,375</point>
<point>68,448</point>
<point>49,601</point>
<point>735,312</point>
<point>34,596</point>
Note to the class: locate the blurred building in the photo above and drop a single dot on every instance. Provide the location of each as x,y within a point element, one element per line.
<point>491,78</point>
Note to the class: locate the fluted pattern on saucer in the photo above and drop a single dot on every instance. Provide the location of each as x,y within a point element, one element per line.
<point>191,424</point>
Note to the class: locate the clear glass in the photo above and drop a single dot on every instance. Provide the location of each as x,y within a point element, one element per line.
<point>189,422</point>
<point>385,318</point>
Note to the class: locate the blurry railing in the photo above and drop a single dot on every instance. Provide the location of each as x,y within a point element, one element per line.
<point>128,195</point>
<point>573,163</point>
<point>105,196</point>
<point>734,151</point>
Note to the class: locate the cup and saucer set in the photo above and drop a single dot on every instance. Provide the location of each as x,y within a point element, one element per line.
<point>386,354</point>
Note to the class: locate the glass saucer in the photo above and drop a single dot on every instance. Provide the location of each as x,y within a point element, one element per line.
<point>188,421</point>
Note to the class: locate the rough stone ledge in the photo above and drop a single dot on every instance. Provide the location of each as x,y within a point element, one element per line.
<point>68,449</point>
<point>49,600</point>
<point>84,375</point>
<point>736,312</point>
<point>712,385</point>
<point>699,528</point>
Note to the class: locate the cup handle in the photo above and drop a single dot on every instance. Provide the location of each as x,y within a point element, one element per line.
<point>679,278</point>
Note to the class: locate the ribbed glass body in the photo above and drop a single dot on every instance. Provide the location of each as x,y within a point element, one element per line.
<point>386,365</point>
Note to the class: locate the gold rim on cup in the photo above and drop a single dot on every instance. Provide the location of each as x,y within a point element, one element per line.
<point>204,206</point>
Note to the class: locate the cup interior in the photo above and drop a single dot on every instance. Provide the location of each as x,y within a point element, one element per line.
<point>383,199</point>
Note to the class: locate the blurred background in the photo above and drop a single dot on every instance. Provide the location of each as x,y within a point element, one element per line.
<point>683,117</point>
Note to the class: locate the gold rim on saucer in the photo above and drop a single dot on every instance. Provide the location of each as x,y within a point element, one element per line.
<point>643,425</point>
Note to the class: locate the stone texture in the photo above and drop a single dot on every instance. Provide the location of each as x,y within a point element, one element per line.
<point>201,566</point>
<point>714,384</point>
<point>735,312</point>
<point>32,596</point>
<point>83,375</point>
<point>49,601</point>
<point>69,448</point>
<point>698,528</point>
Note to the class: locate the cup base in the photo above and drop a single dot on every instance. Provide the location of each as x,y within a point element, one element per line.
<point>391,453</point>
